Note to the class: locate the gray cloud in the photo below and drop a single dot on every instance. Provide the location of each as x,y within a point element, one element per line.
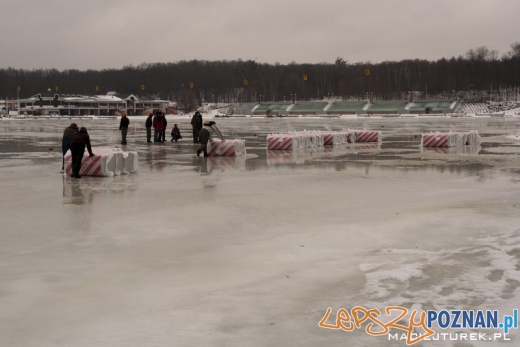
<point>98,34</point>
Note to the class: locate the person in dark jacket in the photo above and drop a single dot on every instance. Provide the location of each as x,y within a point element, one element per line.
<point>176,133</point>
<point>66,141</point>
<point>148,126</point>
<point>81,139</point>
<point>165,123</point>
<point>196,123</point>
<point>157,124</point>
<point>205,136</point>
<point>123,126</point>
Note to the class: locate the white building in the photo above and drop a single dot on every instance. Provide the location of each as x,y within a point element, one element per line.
<point>50,103</point>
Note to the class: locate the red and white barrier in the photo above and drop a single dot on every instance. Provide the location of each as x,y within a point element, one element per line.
<point>434,140</point>
<point>282,142</point>
<point>227,148</point>
<point>106,162</point>
<point>306,139</point>
<point>450,139</point>
<point>367,136</point>
<point>295,140</point>
<point>333,138</point>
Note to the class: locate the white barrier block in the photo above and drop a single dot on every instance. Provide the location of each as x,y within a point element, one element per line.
<point>439,139</point>
<point>106,162</point>
<point>367,136</point>
<point>227,148</point>
<point>131,162</point>
<point>282,141</point>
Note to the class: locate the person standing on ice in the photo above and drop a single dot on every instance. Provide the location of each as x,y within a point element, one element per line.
<point>148,126</point>
<point>81,139</point>
<point>196,123</point>
<point>123,126</point>
<point>205,136</point>
<point>66,142</point>
<point>165,124</point>
<point>158,126</point>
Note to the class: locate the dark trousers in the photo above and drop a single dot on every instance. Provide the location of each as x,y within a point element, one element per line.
<point>124,131</point>
<point>65,146</point>
<point>148,134</point>
<point>163,135</point>
<point>204,138</point>
<point>196,135</point>
<point>77,150</point>
<point>156,135</point>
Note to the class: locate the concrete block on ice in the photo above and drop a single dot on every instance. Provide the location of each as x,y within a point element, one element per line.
<point>282,142</point>
<point>106,162</point>
<point>338,137</point>
<point>367,136</point>
<point>227,148</point>
<point>450,139</point>
<point>471,138</point>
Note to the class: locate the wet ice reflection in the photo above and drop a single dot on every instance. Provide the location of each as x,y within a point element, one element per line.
<point>84,190</point>
<point>233,251</point>
<point>461,150</point>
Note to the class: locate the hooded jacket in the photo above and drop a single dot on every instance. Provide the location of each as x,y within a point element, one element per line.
<point>69,133</point>
<point>83,139</point>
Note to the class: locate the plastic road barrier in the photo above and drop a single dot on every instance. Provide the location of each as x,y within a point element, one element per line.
<point>228,148</point>
<point>106,162</point>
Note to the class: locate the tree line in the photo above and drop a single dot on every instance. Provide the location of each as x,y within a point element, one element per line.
<point>196,81</point>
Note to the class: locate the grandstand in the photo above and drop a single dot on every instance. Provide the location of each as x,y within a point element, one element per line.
<point>441,106</point>
<point>307,108</point>
<point>472,108</point>
<point>271,109</point>
<point>486,107</point>
<point>346,107</point>
<point>386,107</point>
<point>503,106</point>
<point>396,107</point>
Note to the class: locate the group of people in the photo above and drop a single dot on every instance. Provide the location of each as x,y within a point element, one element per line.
<point>159,123</point>
<point>76,140</point>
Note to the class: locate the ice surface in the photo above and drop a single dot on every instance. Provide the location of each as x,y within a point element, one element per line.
<point>251,251</point>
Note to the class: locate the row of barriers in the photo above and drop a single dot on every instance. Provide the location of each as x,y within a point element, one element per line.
<point>450,139</point>
<point>306,139</point>
<point>106,162</point>
<point>291,147</point>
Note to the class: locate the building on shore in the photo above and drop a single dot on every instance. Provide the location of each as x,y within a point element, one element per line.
<point>111,104</point>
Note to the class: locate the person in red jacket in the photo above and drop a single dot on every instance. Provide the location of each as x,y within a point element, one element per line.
<point>158,126</point>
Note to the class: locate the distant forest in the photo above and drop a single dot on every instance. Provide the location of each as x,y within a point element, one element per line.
<point>476,73</point>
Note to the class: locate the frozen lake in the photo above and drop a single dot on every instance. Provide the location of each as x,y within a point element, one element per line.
<point>252,251</point>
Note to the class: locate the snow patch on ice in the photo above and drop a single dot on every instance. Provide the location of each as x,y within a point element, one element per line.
<point>458,278</point>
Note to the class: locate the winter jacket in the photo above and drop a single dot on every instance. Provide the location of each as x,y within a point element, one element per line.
<point>196,121</point>
<point>83,139</point>
<point>69,133</point>
<point>125,122</point>
<point>158,123</point>
<point>176,133</point>
<point>149,122</point>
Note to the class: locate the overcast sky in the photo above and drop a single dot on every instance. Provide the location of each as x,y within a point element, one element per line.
<point>100,34</point>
